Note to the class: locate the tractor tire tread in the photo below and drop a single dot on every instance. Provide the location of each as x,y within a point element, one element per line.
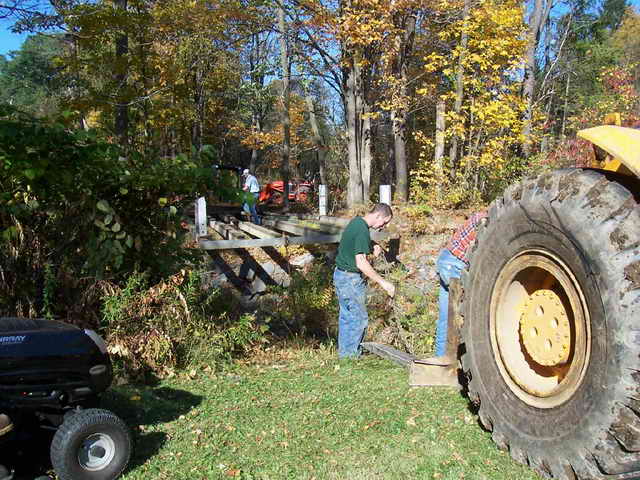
<point>611,212</point>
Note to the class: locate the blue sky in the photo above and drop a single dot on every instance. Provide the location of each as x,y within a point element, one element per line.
<point>10,41</point>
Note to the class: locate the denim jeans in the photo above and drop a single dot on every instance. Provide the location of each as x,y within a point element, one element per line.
<point>353,318</point>
<point>252,209</point>
<point>449,266</point>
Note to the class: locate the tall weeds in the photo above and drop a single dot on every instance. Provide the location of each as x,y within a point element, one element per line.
<point>174,323</point>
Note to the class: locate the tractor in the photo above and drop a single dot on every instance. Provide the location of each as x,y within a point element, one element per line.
<point>273,192</point>
<point>546,334</point>
<point>550,338</point>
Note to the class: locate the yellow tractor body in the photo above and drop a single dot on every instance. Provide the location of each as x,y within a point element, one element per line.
<point>622,144</point>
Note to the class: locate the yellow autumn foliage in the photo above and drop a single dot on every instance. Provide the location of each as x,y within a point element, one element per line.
<point>489,123</point>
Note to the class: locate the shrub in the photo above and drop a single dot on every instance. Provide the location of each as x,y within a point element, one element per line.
<point>69,201</point>
<point>172,324</point>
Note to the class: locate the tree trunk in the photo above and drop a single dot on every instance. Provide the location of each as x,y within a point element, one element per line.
<point>199,106</point>
<point>399,114</point>
<point>257,57</point>
<point>566,101</point>
<point>390,166</point>
<point>367,154</point>
<point>439,147</point>
<point>122,109</point>
<point>317,139</point>
<point>256,126</point>
<point>537,19</point>
<point>457,106</point>
<point>286,121</point>
<point>398,122</point>
<point>354,186</point>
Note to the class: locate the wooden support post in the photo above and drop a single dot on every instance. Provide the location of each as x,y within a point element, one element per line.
<point>251,264</point>
<point>385,194</point>
<point>229,273</point>
<point>200,218</point>
<point>322,199</point>
<point>275,255</point>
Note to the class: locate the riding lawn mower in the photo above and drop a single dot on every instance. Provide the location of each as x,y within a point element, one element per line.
<point>51,377</point>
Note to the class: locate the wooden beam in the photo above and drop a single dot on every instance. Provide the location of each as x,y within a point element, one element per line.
<point>290,227</point>
<point>317,225</point>
<point>334,220</point>
<point>315,218</point>
<point>385,351</point>
<point>257,230</point>
<point>335,228</point>
<point>235,238</point>
<point>311,221</point>
<point>227,231</point>
<point>268,242</point>
<point>251,263</point>
<point>229,273</point>
<point>219,227</point>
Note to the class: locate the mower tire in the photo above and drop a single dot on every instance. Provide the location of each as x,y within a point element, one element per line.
<point>92,444</point>
<point>551,328</point>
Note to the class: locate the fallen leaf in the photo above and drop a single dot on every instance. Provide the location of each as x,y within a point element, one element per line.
<point>232,473</point>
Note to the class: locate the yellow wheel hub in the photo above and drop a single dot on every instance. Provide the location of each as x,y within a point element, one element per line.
<point>545,329</point>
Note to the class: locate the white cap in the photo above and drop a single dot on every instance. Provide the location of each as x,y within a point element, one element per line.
<point>245,171</point>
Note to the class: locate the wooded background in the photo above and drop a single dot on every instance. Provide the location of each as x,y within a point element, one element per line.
<point>113,113</point>
<point>464,94</point>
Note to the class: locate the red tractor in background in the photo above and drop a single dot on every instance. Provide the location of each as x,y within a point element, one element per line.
<point>273,192</point>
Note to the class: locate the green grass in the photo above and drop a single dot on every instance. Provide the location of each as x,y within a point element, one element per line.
<point>309,417</point>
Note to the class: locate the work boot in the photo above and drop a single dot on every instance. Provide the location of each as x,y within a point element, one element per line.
<point>6,425</point>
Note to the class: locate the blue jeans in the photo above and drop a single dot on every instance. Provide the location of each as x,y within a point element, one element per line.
<point>353,319</point>
<point>252,209</point>
<point>449,266</point>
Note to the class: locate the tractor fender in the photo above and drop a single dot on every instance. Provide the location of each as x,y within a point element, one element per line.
<point>621,143</point>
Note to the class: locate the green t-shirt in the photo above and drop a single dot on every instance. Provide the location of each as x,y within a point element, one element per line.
<point>355,239</point>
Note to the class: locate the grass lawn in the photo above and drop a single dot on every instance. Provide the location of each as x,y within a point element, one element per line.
<point>309,417</point>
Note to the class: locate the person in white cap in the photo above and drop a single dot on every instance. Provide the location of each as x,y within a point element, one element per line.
<point>252,186</point>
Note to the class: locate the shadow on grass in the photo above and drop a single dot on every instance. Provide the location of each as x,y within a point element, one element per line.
<point>148,406</point>
<point>28,451</point>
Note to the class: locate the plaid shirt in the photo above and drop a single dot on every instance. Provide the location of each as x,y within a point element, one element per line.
<point>465,236</point>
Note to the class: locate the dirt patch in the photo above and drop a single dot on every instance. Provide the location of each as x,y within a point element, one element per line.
<point>517,193</point>
<point>545,182</point>
<point>619,238</point>
<point>632,274</point>
<point>595,199</point>
<point>568,186</point>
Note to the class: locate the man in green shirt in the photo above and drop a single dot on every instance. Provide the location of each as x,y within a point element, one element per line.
<point>348,277</point>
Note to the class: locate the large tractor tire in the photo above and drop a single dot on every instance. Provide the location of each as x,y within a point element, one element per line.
<point>551,329</point>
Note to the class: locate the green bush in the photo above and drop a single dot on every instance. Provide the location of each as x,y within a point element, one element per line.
<point>69,201</point>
